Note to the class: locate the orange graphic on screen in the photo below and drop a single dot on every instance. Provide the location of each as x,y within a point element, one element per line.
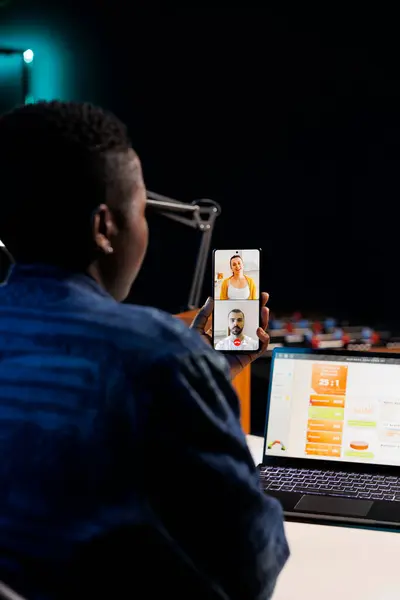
<point>325,425</point>
<point>328,379</point>
<point>359,445</point>
<point>323,450</point>
<point>324,437</point>
<point>276,443</point>
<point>327,401</point>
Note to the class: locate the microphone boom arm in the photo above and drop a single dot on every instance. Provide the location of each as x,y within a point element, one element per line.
<point>200,215</point>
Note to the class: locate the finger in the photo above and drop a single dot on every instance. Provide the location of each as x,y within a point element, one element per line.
<point>200,320</point>
<point>264,298</point>
<point>262,335</point>
<point>264,317</point>
<point>264,339</point>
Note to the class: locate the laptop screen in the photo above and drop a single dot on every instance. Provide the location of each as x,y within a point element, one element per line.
<point>339,408</point>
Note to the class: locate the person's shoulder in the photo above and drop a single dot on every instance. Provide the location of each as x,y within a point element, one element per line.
<point>151,332</point>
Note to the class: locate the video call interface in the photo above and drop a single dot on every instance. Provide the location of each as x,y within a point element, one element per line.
<point>236,300</point>
<point>342,410</point>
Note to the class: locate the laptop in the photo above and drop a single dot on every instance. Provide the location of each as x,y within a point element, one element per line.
<point>332,436</point>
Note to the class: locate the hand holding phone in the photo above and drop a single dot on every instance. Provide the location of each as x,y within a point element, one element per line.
<point>237,301</point>
<point>237,361</point>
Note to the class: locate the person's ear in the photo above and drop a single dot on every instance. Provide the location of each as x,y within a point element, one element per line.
<point>104,229</point>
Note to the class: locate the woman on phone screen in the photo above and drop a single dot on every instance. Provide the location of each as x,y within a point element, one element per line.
<point>239,286</point>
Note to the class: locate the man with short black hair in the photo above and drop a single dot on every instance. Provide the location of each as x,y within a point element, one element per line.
<point>124,470</point>
<point>236,338</point>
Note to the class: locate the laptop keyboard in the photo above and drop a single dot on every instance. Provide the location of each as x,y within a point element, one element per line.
<point>331,483</point>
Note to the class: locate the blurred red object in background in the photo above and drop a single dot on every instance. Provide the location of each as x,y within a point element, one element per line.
<point>315,342</point>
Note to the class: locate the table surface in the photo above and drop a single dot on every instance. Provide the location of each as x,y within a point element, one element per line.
<point>328,562</point>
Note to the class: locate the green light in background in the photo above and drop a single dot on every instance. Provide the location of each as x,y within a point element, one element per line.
<point>52,76</point>
<point>10,80</point>
<point>28,56</point>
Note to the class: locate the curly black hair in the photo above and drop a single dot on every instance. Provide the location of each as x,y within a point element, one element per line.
<point>58,162</point>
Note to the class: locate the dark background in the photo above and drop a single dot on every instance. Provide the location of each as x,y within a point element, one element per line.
<point>290,121</point>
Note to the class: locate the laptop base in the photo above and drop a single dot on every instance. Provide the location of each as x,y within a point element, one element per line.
<point>337,510</point>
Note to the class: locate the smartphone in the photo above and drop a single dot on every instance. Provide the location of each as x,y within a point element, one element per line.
<point>237,300</point>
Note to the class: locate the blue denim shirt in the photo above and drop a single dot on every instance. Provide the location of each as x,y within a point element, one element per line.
<point>124,469</point>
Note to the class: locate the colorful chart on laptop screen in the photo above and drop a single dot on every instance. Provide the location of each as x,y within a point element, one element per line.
<point>335,408</point>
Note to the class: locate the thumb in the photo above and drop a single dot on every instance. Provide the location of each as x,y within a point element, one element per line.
<point>200,320</point>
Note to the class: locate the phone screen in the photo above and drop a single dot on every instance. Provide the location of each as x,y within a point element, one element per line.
<point>236,300</point>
